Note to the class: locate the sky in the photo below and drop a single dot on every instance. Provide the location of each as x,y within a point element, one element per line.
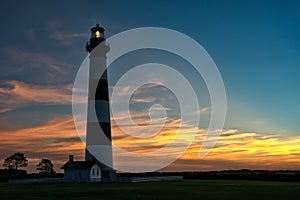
<point>255,45</point>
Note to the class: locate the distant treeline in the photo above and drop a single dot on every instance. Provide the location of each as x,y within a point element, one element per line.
<point>244,174</point>
<point>6,175</point>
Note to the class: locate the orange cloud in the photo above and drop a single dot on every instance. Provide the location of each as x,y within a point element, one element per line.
<point>55,139</point>
<point>248,150</point>
<point>17,93</point>
<point>234,149</point>
<point>143,100</point>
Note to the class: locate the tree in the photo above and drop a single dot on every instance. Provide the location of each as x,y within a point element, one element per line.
<point>45,166</point>
<point>15,161</point>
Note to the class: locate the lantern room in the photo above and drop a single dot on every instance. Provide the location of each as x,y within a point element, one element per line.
<point>97,36</point>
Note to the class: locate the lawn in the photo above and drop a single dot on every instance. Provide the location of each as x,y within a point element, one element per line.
<point>186,189</point>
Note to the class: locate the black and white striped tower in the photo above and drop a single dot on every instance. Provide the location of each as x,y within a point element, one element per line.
<point>98,116</point>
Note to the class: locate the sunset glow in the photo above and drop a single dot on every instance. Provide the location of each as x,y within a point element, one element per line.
<point>255,47</point>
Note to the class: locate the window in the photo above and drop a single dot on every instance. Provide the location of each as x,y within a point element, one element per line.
<point>93,172</point>
<point>97,172</point>
<point>97,34</point>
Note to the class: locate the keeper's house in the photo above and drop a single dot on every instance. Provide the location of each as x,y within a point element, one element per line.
<point>82,171</point>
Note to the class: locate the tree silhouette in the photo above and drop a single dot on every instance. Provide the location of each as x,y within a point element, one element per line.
<point>45,166</point>
<point>15,161</point>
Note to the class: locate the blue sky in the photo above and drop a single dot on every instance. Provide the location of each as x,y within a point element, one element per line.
<point>255,44</point>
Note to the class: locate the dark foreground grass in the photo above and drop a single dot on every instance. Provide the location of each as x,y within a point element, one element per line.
<point>187,189</point>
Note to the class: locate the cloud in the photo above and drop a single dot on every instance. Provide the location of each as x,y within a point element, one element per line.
<point>55,139</point>
<point>143,144</point>
<point>143,100</point>
<point>66,38</point>
<point>15,94</point>
<point>249,150</point>
<point>233,150</point>
<point>205,110</point>
<point>35,60</point>
<point>36,66</point>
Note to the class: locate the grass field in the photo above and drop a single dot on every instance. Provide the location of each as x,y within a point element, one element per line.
<point>187,189</point>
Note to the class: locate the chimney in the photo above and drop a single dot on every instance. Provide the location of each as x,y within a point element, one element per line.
<point>71,158</point>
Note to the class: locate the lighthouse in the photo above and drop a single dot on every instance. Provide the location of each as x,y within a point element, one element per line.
<point>98,130</point>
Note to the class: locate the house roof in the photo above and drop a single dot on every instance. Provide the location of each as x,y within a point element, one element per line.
<point>81,164</point>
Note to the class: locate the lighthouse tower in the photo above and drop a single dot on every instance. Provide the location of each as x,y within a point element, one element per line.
<point>98,130</point>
